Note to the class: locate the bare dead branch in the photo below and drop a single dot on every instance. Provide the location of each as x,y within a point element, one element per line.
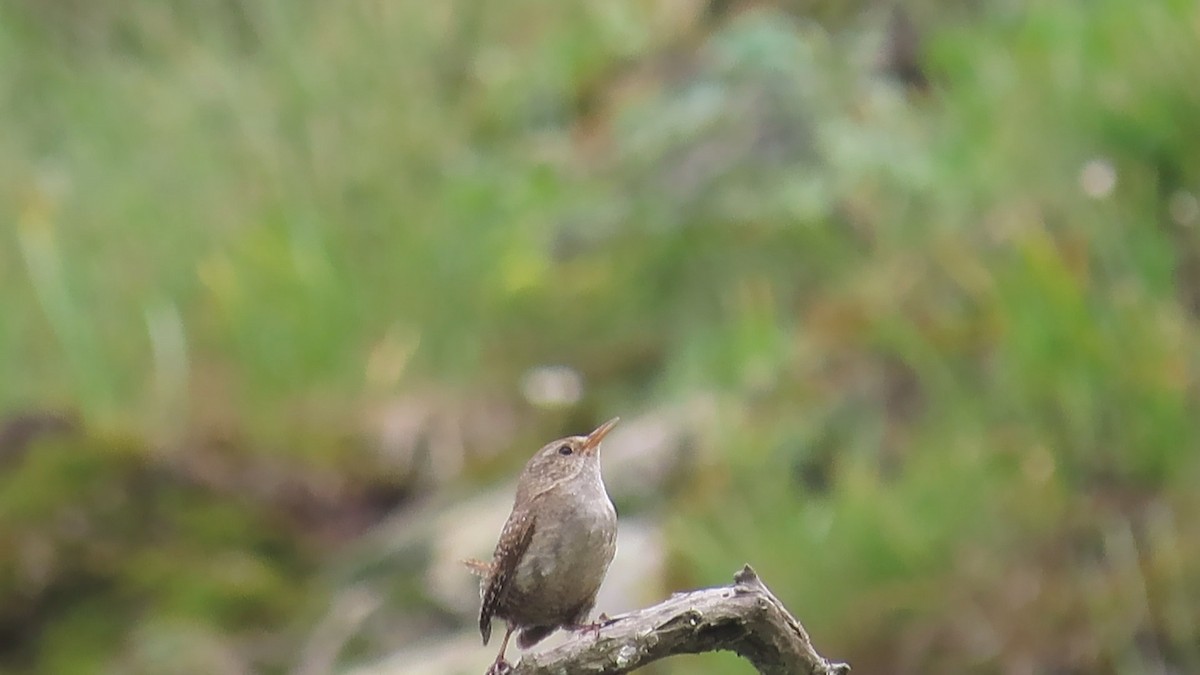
<point>744,617</point>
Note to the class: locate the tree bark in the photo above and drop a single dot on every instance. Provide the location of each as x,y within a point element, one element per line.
<point>744,617</point>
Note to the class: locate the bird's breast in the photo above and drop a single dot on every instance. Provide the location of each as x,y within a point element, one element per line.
<point>573,543</point>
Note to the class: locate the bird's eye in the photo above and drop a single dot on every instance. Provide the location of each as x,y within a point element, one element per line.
<point>565,450</point>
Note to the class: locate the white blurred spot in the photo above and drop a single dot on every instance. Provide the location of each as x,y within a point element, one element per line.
<point>625,655</point>
<point>1098,178</point>
<point>1184,208</point>
<point>552,386</point>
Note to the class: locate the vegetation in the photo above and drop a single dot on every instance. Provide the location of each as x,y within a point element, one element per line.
<point>948,320</point>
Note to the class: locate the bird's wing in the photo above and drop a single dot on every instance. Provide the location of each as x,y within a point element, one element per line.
<point>514,539</point>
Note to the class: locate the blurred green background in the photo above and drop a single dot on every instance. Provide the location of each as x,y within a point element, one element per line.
<point>923,282</point>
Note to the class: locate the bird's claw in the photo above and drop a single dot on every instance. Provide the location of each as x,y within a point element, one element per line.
<point>499,667</point>
<point>592,628</point>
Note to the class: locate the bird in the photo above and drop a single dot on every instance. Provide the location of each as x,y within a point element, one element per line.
<point>555,548</point>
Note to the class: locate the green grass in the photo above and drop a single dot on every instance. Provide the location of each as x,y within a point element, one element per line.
<point>955,390</point>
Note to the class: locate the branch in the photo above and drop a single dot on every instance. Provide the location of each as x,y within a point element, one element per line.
<point>745,618</point>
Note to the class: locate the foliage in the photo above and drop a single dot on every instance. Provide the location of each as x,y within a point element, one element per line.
<point>951,331</point>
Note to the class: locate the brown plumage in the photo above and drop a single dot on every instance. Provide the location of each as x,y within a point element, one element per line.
<point>555,548</point>
<point>514,540</point>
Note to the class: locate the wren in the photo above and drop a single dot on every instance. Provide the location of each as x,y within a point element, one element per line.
<point>555,547</point>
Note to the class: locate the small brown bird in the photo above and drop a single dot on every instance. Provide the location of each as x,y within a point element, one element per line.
<point>555,548</point>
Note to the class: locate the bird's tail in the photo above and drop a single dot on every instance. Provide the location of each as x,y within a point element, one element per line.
<point>479,568</point>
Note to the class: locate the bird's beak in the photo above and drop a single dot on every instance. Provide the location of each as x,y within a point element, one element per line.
<point>592,443</point>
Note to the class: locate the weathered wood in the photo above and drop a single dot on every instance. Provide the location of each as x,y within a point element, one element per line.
<point>744,617</point>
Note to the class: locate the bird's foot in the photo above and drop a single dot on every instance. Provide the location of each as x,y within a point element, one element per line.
<point>499,667</point>
<point>586,628</point>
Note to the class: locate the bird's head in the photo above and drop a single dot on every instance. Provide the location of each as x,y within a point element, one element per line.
<point>562,460</point>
